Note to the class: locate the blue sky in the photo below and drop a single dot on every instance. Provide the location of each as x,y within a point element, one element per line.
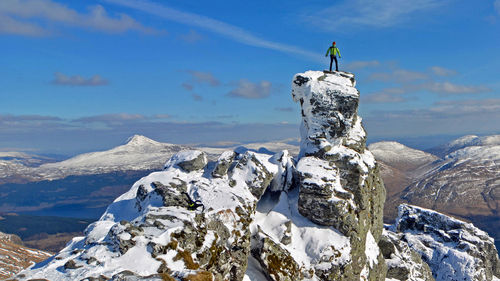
<point>83,75</point>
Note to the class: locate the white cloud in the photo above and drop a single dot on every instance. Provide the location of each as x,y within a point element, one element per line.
<point>248,90</point>
<point>77,80</point>
<point>9,25</point>
<point>231,31</point>
<point>33,17</point>
<point>369,13</point>
<point>441,71</point>
<point>389,95</point>
<point>398,76</point>
<point>447,88</point>
<point>203,77</point>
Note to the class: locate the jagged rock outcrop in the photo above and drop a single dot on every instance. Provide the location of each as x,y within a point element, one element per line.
<point>338,179</point>
<point>453,249</point>
<point>403,263</point>
<point>150,231</point>
<point>248,216</point>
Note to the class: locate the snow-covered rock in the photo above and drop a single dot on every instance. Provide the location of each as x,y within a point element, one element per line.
<point>152,231</point>
<point>403,263</point>
<point>338,178</point>
<point>248,216</point>
<point>454,250</point>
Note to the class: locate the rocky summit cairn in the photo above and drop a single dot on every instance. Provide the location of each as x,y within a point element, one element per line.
<point>248,216</point>
<point>338,178</point>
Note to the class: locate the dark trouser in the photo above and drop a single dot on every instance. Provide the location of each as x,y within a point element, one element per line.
<point>336,63</point>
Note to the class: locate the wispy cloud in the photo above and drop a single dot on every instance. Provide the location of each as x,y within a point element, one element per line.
<point>369,13</point>
<point>444,117</point>
<point>249,90</point>
<point>448,88</point>
<point>441,71</point>
<point>111,118</point>
<point>9,25</point>
<point>36,18</point>
<point>231,31</point>
<point>356,65</point>
<point>191,37</point>
<point>204,77</point>
<point>398,76</point>
<point>389,95</point>
<point>77,80</point>
<point>6,118</point>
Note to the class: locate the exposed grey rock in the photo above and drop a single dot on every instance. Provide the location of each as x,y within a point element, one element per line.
<point>71,264</point>
<point>339,181</point>
<point>259,178</point>
<point>223,164</point>
<point>189,161</point>
<point>403,263</point>
<point>455,250</point>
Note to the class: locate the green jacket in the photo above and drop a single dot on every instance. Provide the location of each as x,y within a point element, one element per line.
<point>333,51</point>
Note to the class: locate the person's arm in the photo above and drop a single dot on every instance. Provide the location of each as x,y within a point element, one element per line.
<point>327,51</point>
<point>338,51</point>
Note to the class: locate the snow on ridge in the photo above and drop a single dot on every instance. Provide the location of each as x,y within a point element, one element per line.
<point>391,151</point>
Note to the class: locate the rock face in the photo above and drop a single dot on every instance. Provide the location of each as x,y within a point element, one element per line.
<point>248,216</point>
<point>403,263</point>
<point>338,179</point>
<point>454,250</point>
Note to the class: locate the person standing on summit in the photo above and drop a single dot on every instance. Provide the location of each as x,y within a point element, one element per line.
<point>333,50</point>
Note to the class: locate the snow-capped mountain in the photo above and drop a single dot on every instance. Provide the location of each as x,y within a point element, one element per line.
<point>466,141</point>
<point>15,257</point>
<point>464,183</point>
<point>139,153</point>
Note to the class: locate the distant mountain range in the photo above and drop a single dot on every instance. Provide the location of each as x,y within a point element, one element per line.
<point>461,178</point>
<point>139,153</point>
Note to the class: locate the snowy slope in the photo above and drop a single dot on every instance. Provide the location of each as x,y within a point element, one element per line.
<point>14,257</point>
<point>401,157</point>
<point>139,153</point>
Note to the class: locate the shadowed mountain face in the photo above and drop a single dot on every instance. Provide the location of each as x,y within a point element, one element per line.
<point>464,183</point>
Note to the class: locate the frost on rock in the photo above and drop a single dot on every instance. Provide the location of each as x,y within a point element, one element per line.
<point>455,250</point>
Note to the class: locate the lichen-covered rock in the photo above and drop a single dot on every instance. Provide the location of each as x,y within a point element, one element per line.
<point>454,250</point>
<point>338,178</point>
<point>403,263</point>
<point>278,263</point>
